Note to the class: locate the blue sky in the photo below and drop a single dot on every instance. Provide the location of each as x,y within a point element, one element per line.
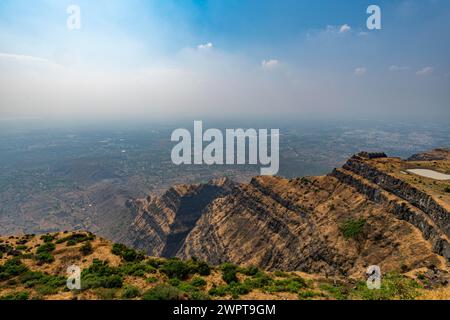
<point>202,57</point>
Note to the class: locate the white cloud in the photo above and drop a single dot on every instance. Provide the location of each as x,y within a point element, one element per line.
<point>395,68</point>
<point>28,59</point>
<point>426,71</point>
<point>360,71</point>
<point>205,46</point>
<point>345,28</point>
<point>270,64</point>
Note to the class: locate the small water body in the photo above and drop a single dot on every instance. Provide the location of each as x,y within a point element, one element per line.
<point>430,174</point>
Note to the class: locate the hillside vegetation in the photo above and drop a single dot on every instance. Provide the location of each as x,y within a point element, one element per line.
<point>34,267</point>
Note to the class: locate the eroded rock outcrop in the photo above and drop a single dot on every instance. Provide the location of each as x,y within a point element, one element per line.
<point>162,223</point>
<point>299,224</point>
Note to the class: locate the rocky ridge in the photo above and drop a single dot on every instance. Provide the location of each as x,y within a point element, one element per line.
<point>394,221</point>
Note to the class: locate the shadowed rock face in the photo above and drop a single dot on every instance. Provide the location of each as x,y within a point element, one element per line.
<point>297,224</point>
<point>162,223</point>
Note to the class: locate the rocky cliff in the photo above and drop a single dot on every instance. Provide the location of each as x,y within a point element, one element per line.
<point>162,223</point>
<point>370,212</point>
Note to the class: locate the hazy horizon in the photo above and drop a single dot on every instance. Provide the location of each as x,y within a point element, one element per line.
<point>214,59</point>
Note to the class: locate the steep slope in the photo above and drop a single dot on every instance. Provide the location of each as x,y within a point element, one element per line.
<point>162,223</point>
<point>35,267</point>
<point>370,212</point>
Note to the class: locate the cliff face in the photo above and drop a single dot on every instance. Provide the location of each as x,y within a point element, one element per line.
<point>417,198</point>
<point>162,223</point>
<point>301,224</point>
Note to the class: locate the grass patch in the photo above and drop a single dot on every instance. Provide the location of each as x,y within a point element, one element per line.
<point>308,295</point>
<point>352,228</point>
<point>106,293</point>
<point>292,285</point>
<point>163,292</point>
<point>130,292</point>
<point>336,291</point>
<point>393,286</point>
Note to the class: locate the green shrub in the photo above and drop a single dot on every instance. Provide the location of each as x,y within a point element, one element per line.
<point>219,291</point>
<point>163,292</point>
<point>118,248</point>
<point>12,268</point>
<point>21,247</point>
<point>337,291</point>
<point>200,267</point>
<point>229,273</point>
<point>238,289</point>
<point>234,289</point>
<point>292,285</point>
<point>175,268</point>
<point>198,282</point>
<point>130,292</point>
<point>155,263</point>
<point>46,247</point>
<point>43,283</point>
<point>101,275</point>
<point>259,280</point>
<point>112,281</point>
<point>152,279</point>
<point>16,296</point>
<point>86,249</point>
<point>48,237</point>
<point>26,256</point>
<point>250,271</point>
<point>307,295</point>
<point>43,253</point>
<point>281,274</point>
<point>44,257</point>
<point>126,253</point>
<point>447,189</point>
<point>71,243</point>
<point>352,228</point>
<point>138,269</point>
<point>75,238</point>
<point>393,286</point>
<point>186,287</point>
<point>198,295</point>
<point>174,282</point>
